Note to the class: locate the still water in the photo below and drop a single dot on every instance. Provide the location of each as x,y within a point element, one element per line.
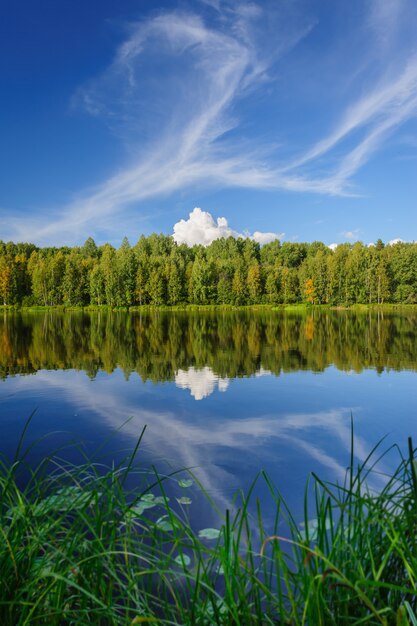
<point>223,393</point>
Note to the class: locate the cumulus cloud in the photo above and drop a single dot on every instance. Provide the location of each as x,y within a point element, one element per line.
<point>179,123</point>
<point>394,241</point>
<point>263,238</point>
<point>333,246</point>
<point>201,228</point>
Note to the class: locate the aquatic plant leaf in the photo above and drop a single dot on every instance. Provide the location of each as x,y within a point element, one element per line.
<point>161,500</point>
<point>66,499</point>
<point>148,497</point>
<point>163,523</point>
<point>184,500</point>
<point>185,482</point>
<point>183,559</point>
<point>141,507</point>
<point>148,501</point>
<point>209,533</point>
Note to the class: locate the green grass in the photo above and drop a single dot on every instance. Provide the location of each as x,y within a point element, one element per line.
<point>299,307</point>
<point>77,547</point>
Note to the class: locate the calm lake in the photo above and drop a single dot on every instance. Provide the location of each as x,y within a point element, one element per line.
<point>224,393</point>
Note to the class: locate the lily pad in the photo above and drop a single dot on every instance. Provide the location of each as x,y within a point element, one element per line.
<point>164,523</point>
<point>66,499</point>
<point>185,482</point>
<point>209,533</point>
<point>161,499</point>
<point>184,500</point>
<point>183,559</point>
<point>147,497</point>
<point>141,507</point>
<point>148,501</point>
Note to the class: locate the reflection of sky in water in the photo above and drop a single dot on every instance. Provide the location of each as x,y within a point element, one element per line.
<point>287,425</point>
<point>201,382</point>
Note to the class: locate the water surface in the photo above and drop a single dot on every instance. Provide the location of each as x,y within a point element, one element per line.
<point>225,393</point>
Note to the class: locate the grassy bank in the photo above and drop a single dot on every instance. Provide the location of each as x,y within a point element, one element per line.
<point>77,548</point>
<point>299,307</point>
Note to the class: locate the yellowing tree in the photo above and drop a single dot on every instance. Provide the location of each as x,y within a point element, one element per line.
<point>309,291</point>
<point>5,276</point>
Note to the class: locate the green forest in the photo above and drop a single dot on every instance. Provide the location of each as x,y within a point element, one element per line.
<point>230,271</point>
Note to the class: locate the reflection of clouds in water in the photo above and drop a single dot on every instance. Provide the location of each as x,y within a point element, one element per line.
<point>200,382</point>
<point>195,442</point>
<point>262,372</point>
<point>203,381</point>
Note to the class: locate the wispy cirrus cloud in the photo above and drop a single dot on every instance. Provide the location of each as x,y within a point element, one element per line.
<point>376,114</point>
<point>172,94</point>
<point>182,77</point>
<point>386,100</point>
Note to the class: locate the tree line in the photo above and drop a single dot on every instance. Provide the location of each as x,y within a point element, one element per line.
<point>231,271</point>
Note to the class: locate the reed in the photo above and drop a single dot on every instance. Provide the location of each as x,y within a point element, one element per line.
<point>77,547</point>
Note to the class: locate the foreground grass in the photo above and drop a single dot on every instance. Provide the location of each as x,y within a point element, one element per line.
<point>76,547</point>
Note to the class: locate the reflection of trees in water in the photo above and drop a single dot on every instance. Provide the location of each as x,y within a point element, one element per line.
<point>234,343</point>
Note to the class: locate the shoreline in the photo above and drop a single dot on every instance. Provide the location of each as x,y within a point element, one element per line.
<point>301,307</point>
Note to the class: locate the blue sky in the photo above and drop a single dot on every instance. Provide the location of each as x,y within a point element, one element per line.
<point>291,118</point>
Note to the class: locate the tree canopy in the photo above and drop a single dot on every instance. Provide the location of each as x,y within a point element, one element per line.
<point>229,271</point>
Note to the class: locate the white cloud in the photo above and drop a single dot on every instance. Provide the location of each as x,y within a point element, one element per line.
<point>394,241</point>
<point>187,112</point>
<point>263,238</point>
<point>387,102</point>
<point>201,228</point>
<point>333,246</point>
<point>351,234</point>
<point>178,126</point>
<point>391,21</point>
